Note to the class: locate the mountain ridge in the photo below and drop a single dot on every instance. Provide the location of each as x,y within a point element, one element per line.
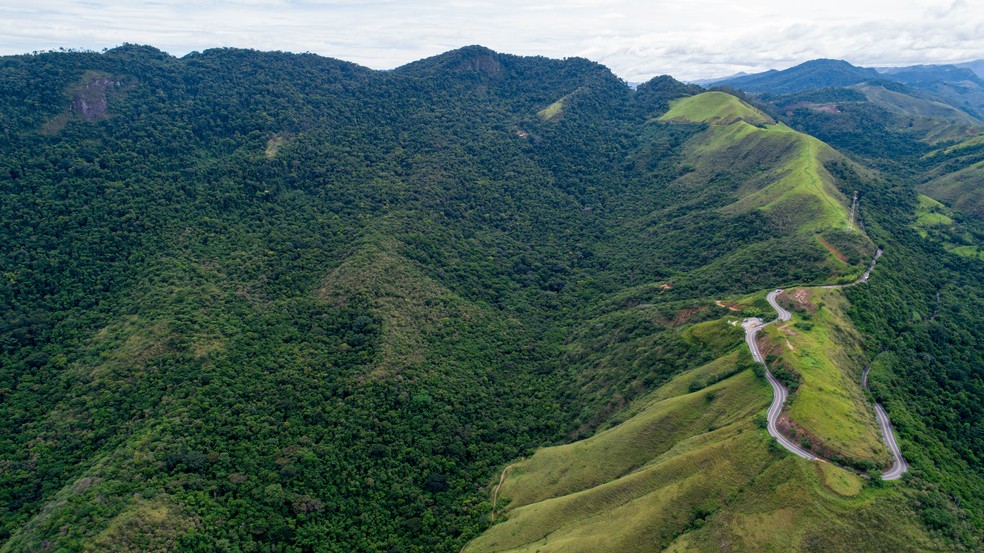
<point>279,301</point>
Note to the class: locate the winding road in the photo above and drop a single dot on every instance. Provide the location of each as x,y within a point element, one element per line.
<point>778,390</point>
<point>864,277</point>
<point>752,326</point>
<point>899,466</point>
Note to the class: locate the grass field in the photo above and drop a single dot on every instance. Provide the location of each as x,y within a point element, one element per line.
<point>969,143</point>
<point>639,482</point>
<point>691,469</point>
<point>799,193</point>
<point>960,189</point>
<point>825,350</point>
<point>552,111</point>
<point>716,108</point>
<point>802,185</point>
<point>935,221</point>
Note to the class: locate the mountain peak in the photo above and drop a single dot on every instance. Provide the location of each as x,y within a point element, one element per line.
<point>818,73</point>
<point>474,58</point>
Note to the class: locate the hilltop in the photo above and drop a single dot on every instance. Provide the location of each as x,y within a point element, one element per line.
<point>258,300</point>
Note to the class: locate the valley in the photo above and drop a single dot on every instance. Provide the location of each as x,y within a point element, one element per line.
<point>264,301</point>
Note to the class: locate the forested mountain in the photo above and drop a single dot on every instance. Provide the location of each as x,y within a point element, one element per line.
<point>977,66</point>
<point>956,86</point>
<point>821,73</point>
<point>265,301</point>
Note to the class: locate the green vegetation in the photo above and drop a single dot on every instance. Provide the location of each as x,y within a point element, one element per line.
<point>805,191</point>
<point>273,146</point>
<point>821,347</point>
<point>552,111</point>
<point>262,301</point>
<point>799,193</point>
<point>686,471</point>
<point>949,150</point>
<point>933,121</point>
<point>961,189</point>
<point>715,108</point>
<point>793,505</point>
<point>934,221</point>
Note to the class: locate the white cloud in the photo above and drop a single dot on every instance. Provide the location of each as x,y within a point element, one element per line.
<point>637,39</point>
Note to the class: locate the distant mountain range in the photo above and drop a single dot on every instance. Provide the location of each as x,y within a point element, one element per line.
<point>959,86</point>
<point>822,73</point>
<point>975,66</point>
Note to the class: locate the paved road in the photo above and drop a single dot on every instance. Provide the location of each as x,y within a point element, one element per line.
<point>864,277</point>
<point>899,466</point>
<point>778,390</point>
<point>782,314</point>
<point>752,326</point>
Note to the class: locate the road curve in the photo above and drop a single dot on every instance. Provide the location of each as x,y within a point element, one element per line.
<point>864,277</point>
<point>778,390</point>
<point>899,466</point>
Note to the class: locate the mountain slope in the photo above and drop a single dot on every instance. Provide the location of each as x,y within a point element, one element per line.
<point>681,474</point>
<point>821,73</point>
<point>954,176</point>
<point>959,86</point>
<point>271,301</point>
<point>799,179</point>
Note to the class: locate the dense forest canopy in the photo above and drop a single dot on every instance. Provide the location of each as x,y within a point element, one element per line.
<point>265,301</point>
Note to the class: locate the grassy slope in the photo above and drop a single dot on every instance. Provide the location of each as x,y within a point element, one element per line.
<point>793,505</point>
<point>969,143</point>
<point>936,121</point>
<point>960,189</point>
<point>798,192</point>
<point>829,405</point>
<point>552,111</point>
<point>716,108</point>
<point>638,480</point>
<point>935,221</point>
<point>689,471</point>
<point>956,178</point>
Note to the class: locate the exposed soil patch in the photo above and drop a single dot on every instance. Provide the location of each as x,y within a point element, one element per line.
<point>495,493</point>
<point>685,315</point>
<point>801,299</point>
<point>832,249</point>
<point>788,331</point>
<point>825,108</point>
<point>766,347</point>
<point>90,97</point>
<point>731,306</point>
<point>798,300</point>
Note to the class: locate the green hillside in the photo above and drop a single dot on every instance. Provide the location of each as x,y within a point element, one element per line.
<point>953,174</point>
<point>796,191</point>
<point>716,108</point>
<point>820,354</point>
<point>263,301</point>
<point>686,472</point>
<point>960,189</point>
<point>936,121</point>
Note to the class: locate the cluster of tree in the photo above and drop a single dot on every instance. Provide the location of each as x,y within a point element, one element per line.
<point>184,330</point>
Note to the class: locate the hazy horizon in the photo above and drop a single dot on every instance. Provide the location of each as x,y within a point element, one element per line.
<point>637,40</point>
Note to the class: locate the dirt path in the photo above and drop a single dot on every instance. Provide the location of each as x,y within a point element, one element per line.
<point>495,493</point>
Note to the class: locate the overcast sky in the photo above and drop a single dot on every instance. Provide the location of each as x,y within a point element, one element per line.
<point>637,39</point>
